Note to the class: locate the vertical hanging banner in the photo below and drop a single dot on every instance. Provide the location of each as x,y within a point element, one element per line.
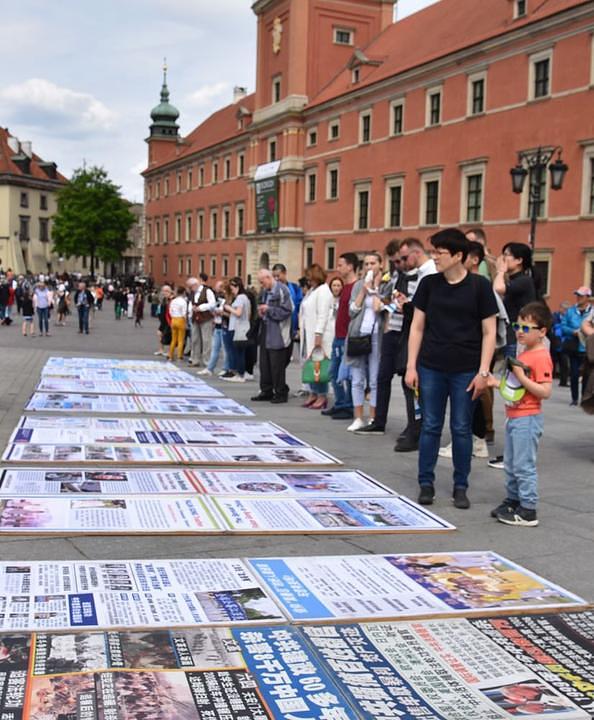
<point>267,197</point>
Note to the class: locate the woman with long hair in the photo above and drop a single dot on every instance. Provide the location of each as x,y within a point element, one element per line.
<point>316,329</point>
<point>239,310</point>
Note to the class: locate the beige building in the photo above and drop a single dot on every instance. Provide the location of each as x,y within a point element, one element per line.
<point>28,187</point>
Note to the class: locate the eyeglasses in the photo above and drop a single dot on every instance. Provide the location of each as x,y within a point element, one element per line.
<point>403,258</point>
<point>517,327</point>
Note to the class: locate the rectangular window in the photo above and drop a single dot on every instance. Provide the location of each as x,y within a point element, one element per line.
<point>591,188</point>
<point>311,187</point>
<point>431,202</point>
<point>474,198</point>
<point>330,256</point>
<point>43,229</point>
<point>200,226</point>
<point>435,108</point>
<point>226,223</point>
<point>365,128</point>
<point>165,231</point>
<point>43,202</point>
<point>395,206</point>
<point>188,228</point>
<point>272,150</point>
<point>276,90</point>
<point>215,172</point>
<point>541,77</point>
<point>189,179</point>
<point>214,225</point>
<point>227,168</point>
<point>151,266</point>
<point>538,181</point>
<point>343,36</point>
<point>363,200</point>
<point>478,96</point>
<point>201,176</point>
<point>178,228</point>
<point>213,266</point>
<point>542,270</point>
<point>158,190</point>
<point>308,255</point>
<point>202,265</point>
<point>520,8</point>
<point>180,265</point>
<point>157,232</point>
<point>178,182</point>
<point>149,233</point>
<point>240,216</point>
<point>332,183</point>
<point>165,266</point>
<point>240,164</point>
<point>166,187</point>
<point>397,118</point>
<point>239,265</point>
<point>312,138</point>
<point>356,75</point>
<point>24,200</point>
<point>334,130</point>
<point>188,266</point>
<point>225,266</point>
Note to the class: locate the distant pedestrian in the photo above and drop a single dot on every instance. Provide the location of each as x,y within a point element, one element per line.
<point>28,312</point>
<point>130,303</point>
<point>83,299</point>
<point>41,301</point>
<point>178,310</point>
<point>138,308</point>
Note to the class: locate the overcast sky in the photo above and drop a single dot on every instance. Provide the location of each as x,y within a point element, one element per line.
<point>79,77</point>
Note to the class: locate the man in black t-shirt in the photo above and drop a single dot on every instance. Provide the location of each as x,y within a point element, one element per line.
<point>451,345</point>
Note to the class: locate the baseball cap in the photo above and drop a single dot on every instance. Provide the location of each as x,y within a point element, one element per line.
<point>584,291</point>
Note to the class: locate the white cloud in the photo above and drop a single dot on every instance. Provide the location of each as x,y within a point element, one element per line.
<point>206,94</point>
<point>41,102</point>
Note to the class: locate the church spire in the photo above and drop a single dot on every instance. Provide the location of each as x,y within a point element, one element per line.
<point>164,115</point>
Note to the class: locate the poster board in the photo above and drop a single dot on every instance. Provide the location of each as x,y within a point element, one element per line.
<point>131,594</point>
<point>56,362</point>
<point>537,666</point>
<point>56,481</point>
<point>183,514</point>
<point>361,587</point>
<point>117,404</point>
<point>106,374</point>
<point>186,674</point>
<point>32,453</point>
<point>119,387</point>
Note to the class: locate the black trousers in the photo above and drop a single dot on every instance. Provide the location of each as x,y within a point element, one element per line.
<point>273,365</point>
<point>386,372</point>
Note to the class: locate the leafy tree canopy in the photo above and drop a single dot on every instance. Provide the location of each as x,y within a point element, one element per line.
<point>92,219</point>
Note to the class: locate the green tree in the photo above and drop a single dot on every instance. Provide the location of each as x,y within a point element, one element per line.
<point>92,219</point>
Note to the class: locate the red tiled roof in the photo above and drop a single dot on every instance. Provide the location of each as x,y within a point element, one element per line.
<point>10,167</point>
<point>443,28</point>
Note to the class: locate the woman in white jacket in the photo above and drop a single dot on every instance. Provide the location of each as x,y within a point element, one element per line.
<point>316,329</point>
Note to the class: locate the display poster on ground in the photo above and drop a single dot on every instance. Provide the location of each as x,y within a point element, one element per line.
<point>34,482</point>
<point>536,666</point>
<point>188,454</point>
<point>361,587</point>
<point>180,514</point>
<point>151,432</point>
<point>131,594</point>
<point>153,405</point>
<point>157,375</point>
<point>38,453</point>
<point>204,673</point>
<point>116,387</point>
<point>91,363</point>
<point>327,515</point>
<point>133,425</point>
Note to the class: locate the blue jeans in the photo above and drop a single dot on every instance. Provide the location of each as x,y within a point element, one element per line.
<point>217,346</point>
<point>228,347</point>
<point>342,390</point>
<point>575,367</point>
<point>43,317</point>
<point>522,436</point>
<point>83,319</point>
<point>435,388</point>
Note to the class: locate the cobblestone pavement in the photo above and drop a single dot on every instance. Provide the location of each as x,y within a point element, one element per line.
<point>561,548</point>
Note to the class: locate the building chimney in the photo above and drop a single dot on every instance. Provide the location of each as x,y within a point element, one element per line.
<point>27,148</point>
<point>239,93</point>
<point>13,144</point>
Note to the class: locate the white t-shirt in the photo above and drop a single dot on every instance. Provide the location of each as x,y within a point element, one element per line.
<point>178,307</point>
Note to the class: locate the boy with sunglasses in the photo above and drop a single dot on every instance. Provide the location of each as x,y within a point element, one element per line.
<point>524,420</point>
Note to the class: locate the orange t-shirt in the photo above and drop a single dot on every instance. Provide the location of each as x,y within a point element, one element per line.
<point>541,371</point>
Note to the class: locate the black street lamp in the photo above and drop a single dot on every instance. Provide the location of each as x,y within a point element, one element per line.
<point>533,164</point>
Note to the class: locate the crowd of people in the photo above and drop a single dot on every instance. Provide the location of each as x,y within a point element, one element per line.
<point>441,316</point>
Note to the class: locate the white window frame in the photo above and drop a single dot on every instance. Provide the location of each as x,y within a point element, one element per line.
<point>227,168</point>
<point>308,248</point>
<point>272,141</point>
<point>240,162</point>
<point>348,30</point>
<point>545,256</point>
<point>308,174</point>
<point>592,61</point>
<point>239,265</point>
<point>189,265</point>
<point>189,178</point>
<point>225,266</point>
<point>469,170</point>
<point>200,225</point>
<point>368,113</point>
<point>308,141</point>
<point>180,265</point>
<point>201,176</point>
<point>532,60</point>
<point>157,232</point>
<point>517,14</point>
<point>239,207</point>
<point>226,219</point>
<point>213,266</point>
<point>165,265</point>
<point>202,263</point>
<point>166,187</point>
<point>587,173</point>
<point>427,177</point>
<point>329,245</point>
<point>188,227</point>
<point>359,188</point>
<point>165,231</point>
<point>399,103</point>
<point>435,90</point>
<point>393,182</point>
<point>588,271</point>
<point>149,233</point>
<point>214,220</point>
<point>333,123</point>
<point>215,172</point>
<point>178,181</point>
<point>476,77</point>
<point>330,167</point>
<point>276,82</point>
<point>355,75</point>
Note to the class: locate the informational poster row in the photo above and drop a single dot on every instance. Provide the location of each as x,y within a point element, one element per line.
<point>540,667</point>
<point>31,453</point>
<point>159,375</point>
<point>33,482</point>
<point>119,387</point>
<point>360,587</point>
<point>150,404</point>
<point>92,363</point>
<point>153,432</point>
<point>183,514</point>
<point>171,593</point>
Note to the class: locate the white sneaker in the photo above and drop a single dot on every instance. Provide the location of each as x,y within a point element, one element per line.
<point>235,378</point>
<point>479,447</point>
<point>445,452</point>
<point>357,424</point>
<point>205,371</point>
<point>158,353</point>
<point>248,376</point>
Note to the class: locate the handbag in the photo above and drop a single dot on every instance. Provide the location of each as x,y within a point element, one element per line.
<point>358,345</point>
<point>316,371</point>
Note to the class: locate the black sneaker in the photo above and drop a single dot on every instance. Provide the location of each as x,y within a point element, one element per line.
<point>227,375</point>
<point>506,505</point>
<point>460,499</point>
<point>261,397</point>
<point>328,412</point>
<point>371,429</point>
<point>279,399</point>
<point>406,444</point>
<point>426,495</point>
<point>496,463</point>
<point>343,415</point>
<point>520,516</point>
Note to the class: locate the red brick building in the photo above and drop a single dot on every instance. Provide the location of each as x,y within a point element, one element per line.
<point>362,130</point>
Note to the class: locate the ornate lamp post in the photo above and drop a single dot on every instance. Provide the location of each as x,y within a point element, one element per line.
<point>533,164</point>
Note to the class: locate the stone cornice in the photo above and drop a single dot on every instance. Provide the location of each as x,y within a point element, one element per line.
<point>31,182</point>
